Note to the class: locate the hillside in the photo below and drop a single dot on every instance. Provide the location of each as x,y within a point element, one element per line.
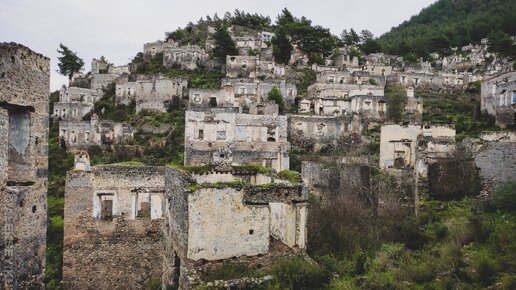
<point>450,23</point>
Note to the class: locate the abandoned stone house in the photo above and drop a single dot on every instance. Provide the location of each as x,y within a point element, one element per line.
<point>314,133</point>
<point>414,146</point>
<point>251,224</point>
<point>498,98</point>
<point>74,103</point>
<point>152,48</point>
<point>82,134</point>
<point>210,98</point>
<point>340,99</point>
<point>152,94</point>
<point>428,80</point>
<point>102,66</point>
<point>189,57</point>
<point>24,91</point>
<point>113,219</point>
<point>241,66</point>
<point>248,91</point>
<point>238,139</point>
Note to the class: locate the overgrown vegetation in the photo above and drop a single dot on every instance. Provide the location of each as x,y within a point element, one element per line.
<point>460,109</point>
<point>199,79</point>
<point>463,244</point>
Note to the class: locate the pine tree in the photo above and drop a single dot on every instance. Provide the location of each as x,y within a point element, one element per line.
<point>69,62</point>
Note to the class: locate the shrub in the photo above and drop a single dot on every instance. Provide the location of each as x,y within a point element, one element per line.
<point>275,95</point>
<point>503,197</point>
<point>296,273</point>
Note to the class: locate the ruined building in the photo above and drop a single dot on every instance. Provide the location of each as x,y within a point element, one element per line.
<point>252,67</point>
<point>74,103</point>
<point>113,220</point>
<point>252,219</point>
<point>152,94</point>
<point>401,146</point>
<point>214,137</point>
<point>498,98</point>
<point>249,91</point>
<point>81,134</point>
<point>187,57</point>
<point>335,99</point>
<point>24,90</point>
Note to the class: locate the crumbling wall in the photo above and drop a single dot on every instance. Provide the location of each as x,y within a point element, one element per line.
<point>496,157</point>
<point>237,138</point>
<point>241,66</point>
<point>318,132</point>
<point>122,249</point>
<point>24,90</point>
<point>328,181</point>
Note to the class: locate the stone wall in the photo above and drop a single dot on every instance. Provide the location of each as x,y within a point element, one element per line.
<point>206,225</point>
<point>317,132</point>
<point>24,91</point>
<point>495,157</point>
<point>498,96</point>
<point>236,139</point>
<point>113,219</point>
<point>206,98</point>
<point>80,135</point>
<point>328,181</point>
<point>241,66</point>
<point>154,94</point>
<point>187,57</point>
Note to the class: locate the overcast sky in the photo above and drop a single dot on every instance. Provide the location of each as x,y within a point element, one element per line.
<point>117,29</point>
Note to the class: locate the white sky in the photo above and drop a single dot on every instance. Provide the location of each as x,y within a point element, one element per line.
<point>118,29</point>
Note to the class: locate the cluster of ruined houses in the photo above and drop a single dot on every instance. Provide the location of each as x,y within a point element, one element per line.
<point>126,225</point>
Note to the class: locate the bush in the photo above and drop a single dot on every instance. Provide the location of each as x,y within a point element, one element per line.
<point>503,197</point>
<point>296,273</point>
<point>275,95</point>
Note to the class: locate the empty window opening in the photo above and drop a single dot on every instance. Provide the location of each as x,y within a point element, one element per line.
<point>221,135</point>
<point>200,134</point>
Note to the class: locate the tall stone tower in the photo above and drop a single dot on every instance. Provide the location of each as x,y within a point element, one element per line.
<point>24,92</point>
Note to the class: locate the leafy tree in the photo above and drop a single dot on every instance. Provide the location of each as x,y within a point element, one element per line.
<point>366,35</point>
<point>371,46</point>
<point>502,44</point>
<point>69,62</point>
<point>224,45</point>
<point>281,47</point>
<point>350,38</point>
<point>275,95</point>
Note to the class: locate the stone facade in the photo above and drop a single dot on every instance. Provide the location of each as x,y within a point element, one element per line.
<point>74,103</point>
<point>237,139</point>
<point>154,94</point>
<point>317,132</point>
<point>495,157</point>
<point>207,98</point>
<point>24,91</point>
<point>340,178</point>
<point>152,48</point>
<point>206,225</point>
<point>249,91</point>
<point>413,146</point>
<point>498,98</point>
<point>113,219</point>
<point>252,67</point>
<point>187,57</point>
<point>80,135</point>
